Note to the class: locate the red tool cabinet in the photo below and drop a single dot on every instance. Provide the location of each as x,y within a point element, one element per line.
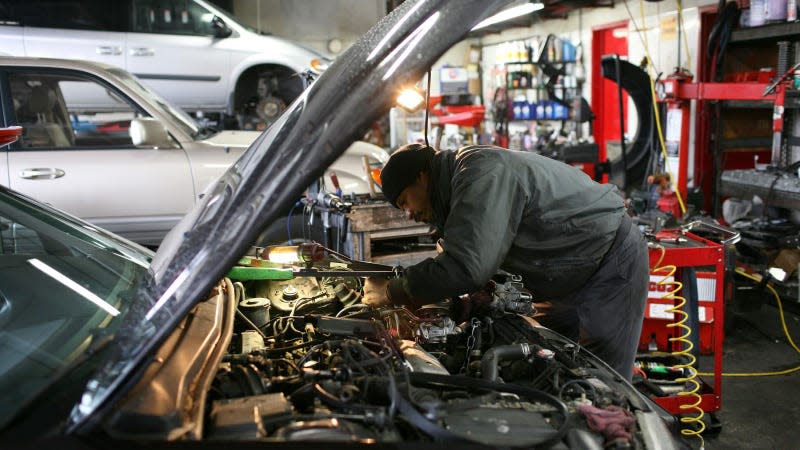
<point>684,249</point>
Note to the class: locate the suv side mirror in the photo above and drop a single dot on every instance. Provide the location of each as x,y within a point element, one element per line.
<point>221,29</point>
<point>149,132</point>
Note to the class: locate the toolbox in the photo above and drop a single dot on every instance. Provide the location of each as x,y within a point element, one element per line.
<point>676,251</point>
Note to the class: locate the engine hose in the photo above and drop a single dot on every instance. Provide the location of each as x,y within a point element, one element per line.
<point>693,419</point>
<point>439,380</point>
<point>347,309</point>
<point>311,303</point>
<point>490,363</point>
<point>336,402</point>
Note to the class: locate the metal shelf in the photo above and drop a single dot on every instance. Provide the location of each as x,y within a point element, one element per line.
<point>781,189</point>
<point>535,63</point>
<point>766,32</point>
<point>751,142</point>
<point>540,120</point>
<point>792,101</point>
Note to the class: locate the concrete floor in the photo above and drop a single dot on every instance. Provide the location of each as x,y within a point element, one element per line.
<point>759,412</point>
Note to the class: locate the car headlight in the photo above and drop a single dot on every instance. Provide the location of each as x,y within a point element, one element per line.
<point>319,65</point>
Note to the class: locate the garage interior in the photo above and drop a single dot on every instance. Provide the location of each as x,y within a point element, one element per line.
<point>690,108</point>
<point>568,52</point>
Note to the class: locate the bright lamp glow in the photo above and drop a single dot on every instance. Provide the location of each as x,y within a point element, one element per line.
<point>777,273</point>
<point>287,254</point>
<point>510,13</point>
<point>410,99</point>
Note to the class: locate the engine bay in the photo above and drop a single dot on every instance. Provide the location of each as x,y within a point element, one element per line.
<point>309,362</point>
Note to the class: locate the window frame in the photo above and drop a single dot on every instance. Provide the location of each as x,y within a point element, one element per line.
<point>9,117</point>
<point>117,21</point>
<point>134,15</point>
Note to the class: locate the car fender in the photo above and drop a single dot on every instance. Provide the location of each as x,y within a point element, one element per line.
<point>255,49</point>
<point>263,60</point>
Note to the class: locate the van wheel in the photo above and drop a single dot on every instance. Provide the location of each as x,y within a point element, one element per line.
<point>262,96</point>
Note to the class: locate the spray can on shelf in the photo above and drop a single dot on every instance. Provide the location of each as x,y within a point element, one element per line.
<point>791,11</point>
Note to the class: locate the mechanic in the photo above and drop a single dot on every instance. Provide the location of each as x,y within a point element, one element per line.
<point>567,236</point>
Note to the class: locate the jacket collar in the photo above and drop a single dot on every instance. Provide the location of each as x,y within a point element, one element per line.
<point>442,168</point>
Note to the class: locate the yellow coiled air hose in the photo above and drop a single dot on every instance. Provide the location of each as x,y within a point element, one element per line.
<point>693,418</point>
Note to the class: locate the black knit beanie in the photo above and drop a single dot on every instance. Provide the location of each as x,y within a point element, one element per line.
<point>403,167</point>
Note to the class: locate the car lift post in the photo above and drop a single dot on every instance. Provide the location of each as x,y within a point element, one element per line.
<point>678,92</point>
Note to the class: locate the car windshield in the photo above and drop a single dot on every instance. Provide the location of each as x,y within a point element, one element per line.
<point>65,288</point>
<point>182,119</point>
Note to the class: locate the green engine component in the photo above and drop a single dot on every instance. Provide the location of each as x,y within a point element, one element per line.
<point>258,269</point>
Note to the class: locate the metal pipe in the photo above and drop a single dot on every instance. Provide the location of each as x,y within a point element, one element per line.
<point>490,363</point>
<point>622,126</point>
<point>777,157</point>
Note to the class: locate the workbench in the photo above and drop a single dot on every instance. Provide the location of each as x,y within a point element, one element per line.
<point>380,221</point>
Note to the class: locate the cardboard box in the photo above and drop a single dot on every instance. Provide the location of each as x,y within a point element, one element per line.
<point>788,259</point>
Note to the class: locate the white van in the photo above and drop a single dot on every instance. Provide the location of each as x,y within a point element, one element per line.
<point>189,51</point>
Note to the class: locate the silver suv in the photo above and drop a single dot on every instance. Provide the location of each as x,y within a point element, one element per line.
<point>100,145</point>
<point>189,51</point>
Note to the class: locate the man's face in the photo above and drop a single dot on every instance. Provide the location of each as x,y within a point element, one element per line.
<point>415,201</point>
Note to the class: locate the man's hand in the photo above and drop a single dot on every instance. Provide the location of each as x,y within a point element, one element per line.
<point>375,292</point>
<point>474,303</point>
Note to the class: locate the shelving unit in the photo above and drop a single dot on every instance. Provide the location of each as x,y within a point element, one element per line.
<point>745,128</point>
<point>543,65</point>
<point>538,78</point>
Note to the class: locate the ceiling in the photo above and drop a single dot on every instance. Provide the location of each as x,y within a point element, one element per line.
<point>553,9</point>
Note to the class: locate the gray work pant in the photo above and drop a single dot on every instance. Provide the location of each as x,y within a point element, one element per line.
<point>605,315</point>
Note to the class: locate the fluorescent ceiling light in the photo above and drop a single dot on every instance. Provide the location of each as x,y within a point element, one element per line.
<point>510,13</point>
<point>63,279</point>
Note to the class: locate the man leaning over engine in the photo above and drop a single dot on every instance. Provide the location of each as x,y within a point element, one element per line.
<point>567,236</point>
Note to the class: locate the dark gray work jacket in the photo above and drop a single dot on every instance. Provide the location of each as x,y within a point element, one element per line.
<point>517,211</point>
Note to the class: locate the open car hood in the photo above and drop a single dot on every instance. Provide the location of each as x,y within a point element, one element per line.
<point>357,89</point>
